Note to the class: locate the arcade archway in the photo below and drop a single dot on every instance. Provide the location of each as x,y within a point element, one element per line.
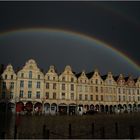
<point>19,107</point>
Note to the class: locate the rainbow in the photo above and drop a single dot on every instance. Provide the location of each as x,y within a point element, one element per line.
<point>81,36</point>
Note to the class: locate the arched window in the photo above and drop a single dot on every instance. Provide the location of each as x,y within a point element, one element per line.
<point>30,74</point>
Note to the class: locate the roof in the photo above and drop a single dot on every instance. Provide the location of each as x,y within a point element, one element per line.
<point>78,74</point>
<point>90,74</point>
<point>104,77</point>
<point>115,78</point>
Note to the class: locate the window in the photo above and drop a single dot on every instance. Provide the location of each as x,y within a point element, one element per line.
<point>29,94</point>
<point>138,91</point>
<point>47,85</point>
<point>63,95</point>
<point>133,98</point>
<point>123,98</point>
<point>48,77</point>
<point>80,96</point>
<point>129,98</point>
<point>29,84</point>
<point>38,94</point>
<point>86,89</point>
<point>4,85</point>
<point>54,85</point>
<point>119,90</point>
<point>138,98</point>
<point>91,89</point>
<point>21,84</point>
<point>72,96</point>
<point>102,98</point>
<point>63,78</point>
<point>123,91</point>
<point>101,89</point>
<point>22,75</point>
<point>38,85</point>
<point>129,91</point>
<point>11,95</point>
<point>6,76</point>
<point>96,89</point>
<point>54,95</point>
<point>3,95</point>
<point>119,98</point>
<point>21,94</point>
<point>114,90</point>
<point>11,85</point>
<point>72,87</point>
<point>96,81</point>
<point>72,80</point>
<point>30,74</point>
<point>11,76</point>
<point>80,88</point>
<point>86,97</point>
<point>134,91</point>
<point>91,97</point>
<point>38,77</point>
<point>97,98</point>
<point>47,95</point>
<point>63,86</point>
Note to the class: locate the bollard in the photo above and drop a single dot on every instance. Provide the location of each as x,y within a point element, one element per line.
<point>2,135</point>
<point>44,131</point>
<point>92,130</point>
<point>131,132</point>
<point>116,129</point>
<point>102,132</point>
<point>15,132</point>
<point>48,134</point>
<point>69,131</point>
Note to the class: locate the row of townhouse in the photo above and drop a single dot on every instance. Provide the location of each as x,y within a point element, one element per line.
<point>30,84</point>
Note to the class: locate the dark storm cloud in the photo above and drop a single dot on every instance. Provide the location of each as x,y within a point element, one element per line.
<point>116,23</point>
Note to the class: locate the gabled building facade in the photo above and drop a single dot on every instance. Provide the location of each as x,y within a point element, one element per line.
<point>31,90</point>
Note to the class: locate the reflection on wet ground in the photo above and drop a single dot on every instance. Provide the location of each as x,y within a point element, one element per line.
<point>92,126</point>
